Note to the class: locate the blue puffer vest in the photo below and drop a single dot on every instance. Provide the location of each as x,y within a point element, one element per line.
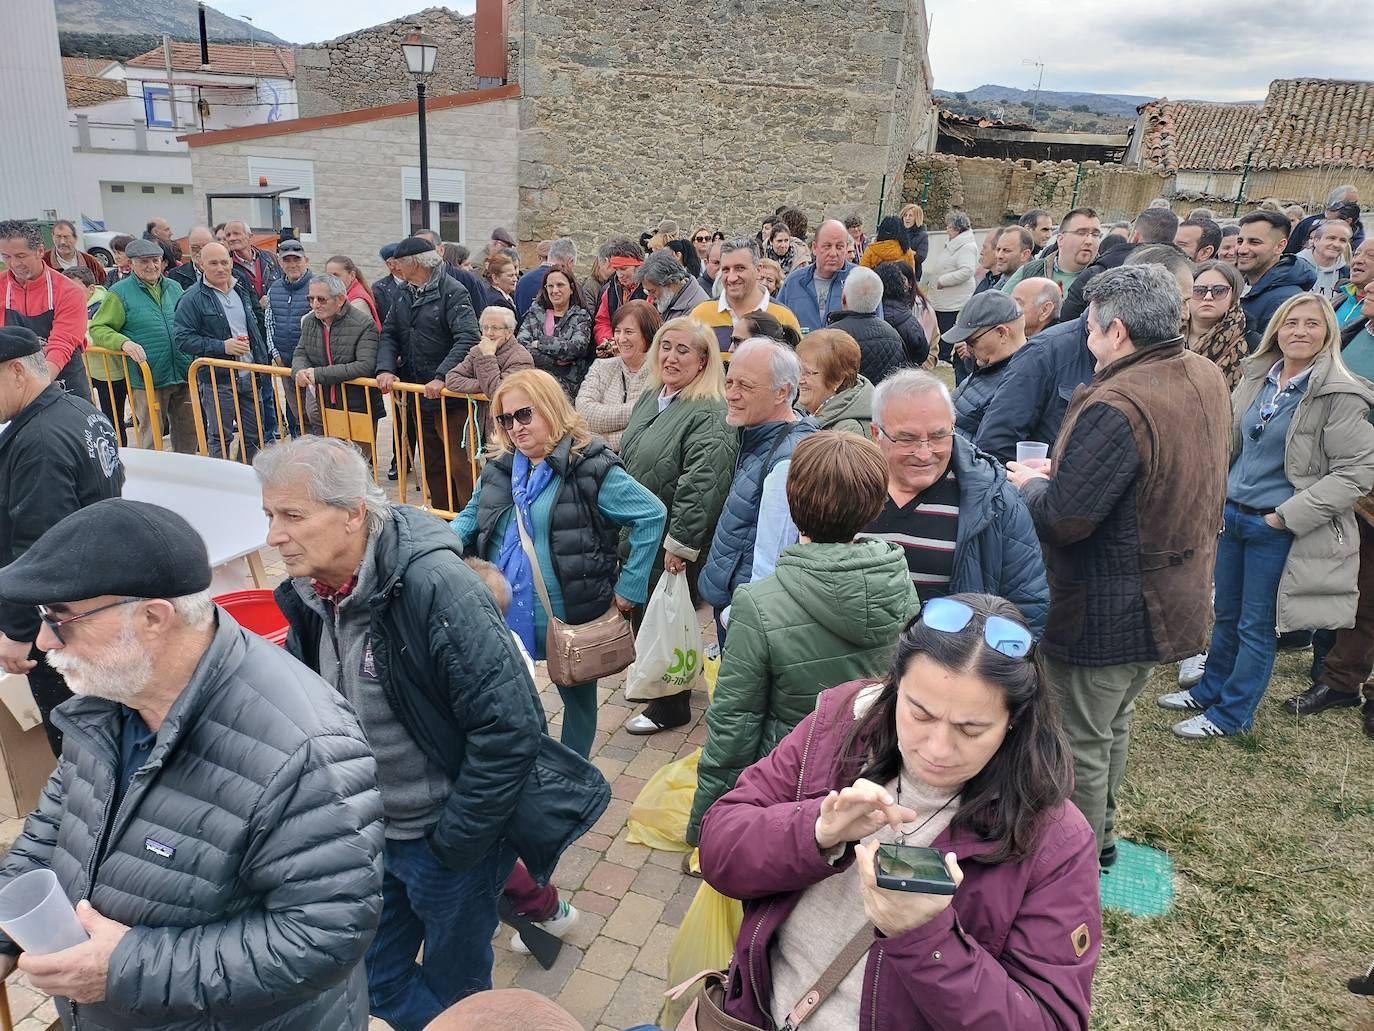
<point>289,303</point>
<point>731,559</point>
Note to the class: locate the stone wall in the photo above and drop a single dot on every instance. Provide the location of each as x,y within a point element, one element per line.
<point>367,69</point>
<point>713,112</point>
<point>357,169</point>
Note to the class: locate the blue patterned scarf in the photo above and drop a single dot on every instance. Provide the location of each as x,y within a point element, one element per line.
<point>513,562</point>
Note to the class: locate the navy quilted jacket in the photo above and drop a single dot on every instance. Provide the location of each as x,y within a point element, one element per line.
<point>972,397</point>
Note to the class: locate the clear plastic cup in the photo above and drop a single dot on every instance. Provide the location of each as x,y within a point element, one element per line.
<point>1028,451</point>
<point>36,914</point>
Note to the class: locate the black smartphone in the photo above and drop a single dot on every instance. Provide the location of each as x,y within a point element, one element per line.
<point>909,868</point>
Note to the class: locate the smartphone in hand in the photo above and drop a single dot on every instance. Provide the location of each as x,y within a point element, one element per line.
<point>910,868</point>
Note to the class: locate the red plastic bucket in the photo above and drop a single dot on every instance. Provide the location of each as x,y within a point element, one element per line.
<point>256,611</point>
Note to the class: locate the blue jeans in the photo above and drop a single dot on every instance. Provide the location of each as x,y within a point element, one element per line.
<point>452,914</point>
<point>1250,560</point>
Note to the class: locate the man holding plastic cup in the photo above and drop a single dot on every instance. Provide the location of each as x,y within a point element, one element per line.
<point>215,805</point>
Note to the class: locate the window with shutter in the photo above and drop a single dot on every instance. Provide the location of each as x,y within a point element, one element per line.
<point>447,214</point>
<point>298,206</point>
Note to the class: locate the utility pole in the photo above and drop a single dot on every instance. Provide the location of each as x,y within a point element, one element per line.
<point>171,85</point>
<point>1035,103</point>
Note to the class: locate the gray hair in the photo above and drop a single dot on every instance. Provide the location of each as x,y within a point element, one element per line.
<point>333,282</point>
<point>1165,254</point>
<point>14,228</point>
<point>507,316</point>
<point>905,385</point>
<point>783,365</point>
<point>1159,202</point>
<point>739,243</point>
<point>662,269</point>
<point>427,259</point>
<point>563,249</point>
<point>1333,223</point>
<point>1050,292</point>
<point>1340,195</point>
<point>36,364</point>
<point>863,290</point>
<point>959,220</point>
<point>195,610</point>
<point>334,471</point>
<point>1144,298</point>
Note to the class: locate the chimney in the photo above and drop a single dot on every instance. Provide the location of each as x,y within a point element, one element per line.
<point>204,39</point>
<point>489,43</point>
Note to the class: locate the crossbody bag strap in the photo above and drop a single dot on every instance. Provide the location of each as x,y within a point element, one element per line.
<point>528,546</point>
<point>831,977</point>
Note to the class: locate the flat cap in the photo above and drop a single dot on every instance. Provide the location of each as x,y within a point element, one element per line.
<point>388,251</point>
<point>990,308</point>
<point>143,249</point>
<point>411,246</point>
<point>128,548</point>
<point>18,342</point>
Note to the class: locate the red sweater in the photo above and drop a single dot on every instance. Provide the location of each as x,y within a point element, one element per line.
<point>51,291</point>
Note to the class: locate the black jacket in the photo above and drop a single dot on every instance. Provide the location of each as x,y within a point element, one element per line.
<point>1286,279</point>
<point>918,240</point>
<point>901,318</point>
<point>455,679</point>
<point>59,454</point>
<point>975,393</point>
<point>426,334</point>
<point>882,349</point>
<point>385,290</point>
<point>201,327</point>
<point>1075,303</point>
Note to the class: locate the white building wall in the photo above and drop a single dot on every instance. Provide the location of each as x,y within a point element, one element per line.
<point>358,172</point>
<point>37,178</point>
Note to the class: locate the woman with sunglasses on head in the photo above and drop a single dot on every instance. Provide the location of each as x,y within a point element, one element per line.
<point>1216,322</point>
<point>557,331</point>
<point>1302,454</point>
<point>959,749</point>
<point>573,496</point>
<point>829,614</point>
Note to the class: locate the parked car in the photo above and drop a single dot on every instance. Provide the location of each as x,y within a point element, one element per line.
<point>95,241</point>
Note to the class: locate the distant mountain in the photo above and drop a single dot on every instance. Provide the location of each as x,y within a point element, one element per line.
<point>1117,105</point>
<point>141,18</point>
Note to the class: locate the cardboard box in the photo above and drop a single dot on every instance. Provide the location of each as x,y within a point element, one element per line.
<point>26,761</point>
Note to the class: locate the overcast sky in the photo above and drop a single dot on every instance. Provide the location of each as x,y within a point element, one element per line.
<point>1221,50</point>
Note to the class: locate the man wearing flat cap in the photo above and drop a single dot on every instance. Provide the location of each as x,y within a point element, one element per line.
<point>215,805</point>
<point>430,329</point>
<point>58,454</point>
<point>137,320</point>
<point>989,331</point>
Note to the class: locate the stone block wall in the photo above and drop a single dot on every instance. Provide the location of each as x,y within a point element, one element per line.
<point>367,69</point>
<point>712,113</point>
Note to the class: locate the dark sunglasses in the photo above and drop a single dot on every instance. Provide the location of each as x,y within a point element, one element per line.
<point>700,239</point>
<point>1266,413</point>
<point>56,625</point>
<point>524,416</point>
<point>1203,292</point>
<point>1004,636</point>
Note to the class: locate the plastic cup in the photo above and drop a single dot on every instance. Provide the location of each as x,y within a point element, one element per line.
<point>36,914</point>
<point>1028,452</point>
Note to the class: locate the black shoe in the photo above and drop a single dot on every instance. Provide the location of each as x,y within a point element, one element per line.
<point>1319,698</point>
<point>1107,857</point>
<point>1295,640</point>
<point>391,473</point>
<point>1369,719</point>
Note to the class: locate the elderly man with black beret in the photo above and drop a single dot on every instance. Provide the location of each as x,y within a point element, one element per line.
<point>58,453</point>
<point>215,805</point>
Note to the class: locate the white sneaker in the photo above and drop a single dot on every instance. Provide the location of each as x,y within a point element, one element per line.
<point>558,925</point>
<point>1190,670</point>
<point>1179,701</point>
<point>1198,728</point>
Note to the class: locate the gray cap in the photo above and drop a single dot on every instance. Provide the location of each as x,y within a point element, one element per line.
<point>290,247</point>
<point>990,308</point>
<point>143,249</point>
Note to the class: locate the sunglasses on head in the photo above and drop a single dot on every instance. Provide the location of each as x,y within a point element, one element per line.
<point>524,416</point>
<point>1002,635</point>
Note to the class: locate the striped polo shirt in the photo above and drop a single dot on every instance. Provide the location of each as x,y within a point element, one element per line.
<point>926,527</point>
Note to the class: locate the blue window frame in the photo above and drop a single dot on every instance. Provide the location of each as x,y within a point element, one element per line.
<point>151,95</point>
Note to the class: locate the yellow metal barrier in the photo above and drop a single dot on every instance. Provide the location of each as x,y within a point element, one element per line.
<point>221,431</point>
<point>105,369</point>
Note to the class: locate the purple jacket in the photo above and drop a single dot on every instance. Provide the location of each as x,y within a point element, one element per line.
<point>1004,955</point>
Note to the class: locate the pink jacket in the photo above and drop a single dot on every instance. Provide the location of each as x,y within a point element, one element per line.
<point>1006,954</point>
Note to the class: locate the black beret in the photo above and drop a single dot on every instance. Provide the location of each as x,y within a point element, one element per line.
<point>411,246</point>
<point>18,342</point>
<point>128,548</point>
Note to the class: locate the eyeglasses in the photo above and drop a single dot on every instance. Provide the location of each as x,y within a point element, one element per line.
<point>1091,234</point>
<point>1219,291</point>
<point>932,441</point>
<point>1266,413</point>
<point>700,239</point>
<point>56,625</point>
<point>1003,635</point>
<point>524,416</point>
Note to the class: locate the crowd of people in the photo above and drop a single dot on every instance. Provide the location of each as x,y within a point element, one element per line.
<point>936,609</point>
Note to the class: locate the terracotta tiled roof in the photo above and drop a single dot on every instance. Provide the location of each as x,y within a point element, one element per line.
<point>90,67</point>
<point>1313,122</point>
<point>1192,134</point>
<point>225,58</point>
<point>86,90</point>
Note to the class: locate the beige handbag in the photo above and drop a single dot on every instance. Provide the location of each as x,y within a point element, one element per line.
<point>585,652</point>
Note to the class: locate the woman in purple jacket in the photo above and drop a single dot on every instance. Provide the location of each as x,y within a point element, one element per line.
<point>959,749</point>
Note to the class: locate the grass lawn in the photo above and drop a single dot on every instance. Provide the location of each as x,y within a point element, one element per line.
<point>1272,838</point>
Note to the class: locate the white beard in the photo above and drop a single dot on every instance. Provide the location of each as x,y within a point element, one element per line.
<point>120,674</point>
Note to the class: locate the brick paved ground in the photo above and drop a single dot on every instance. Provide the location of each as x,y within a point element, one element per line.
<point>611,971</point>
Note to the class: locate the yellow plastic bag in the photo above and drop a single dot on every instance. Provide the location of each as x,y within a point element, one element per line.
<point>705,941</point>
<point>659,815</point>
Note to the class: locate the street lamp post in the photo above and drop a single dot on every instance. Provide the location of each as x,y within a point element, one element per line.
<point>420,54</point>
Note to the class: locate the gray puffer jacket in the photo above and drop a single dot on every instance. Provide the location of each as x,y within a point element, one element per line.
<point>245,855</point>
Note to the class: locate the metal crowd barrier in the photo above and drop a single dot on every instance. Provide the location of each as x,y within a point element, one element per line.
<point>272,391</point>
<point>101,365</point>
